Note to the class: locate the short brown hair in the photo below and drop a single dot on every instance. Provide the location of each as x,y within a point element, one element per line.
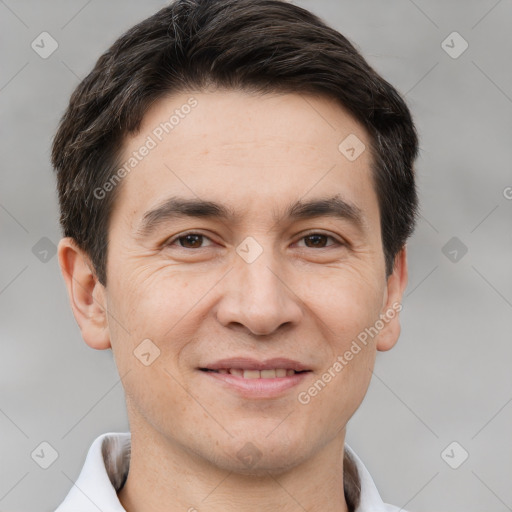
<point>257,45</point>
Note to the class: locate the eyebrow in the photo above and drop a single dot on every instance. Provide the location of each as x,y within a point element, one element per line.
<point>179,207</point>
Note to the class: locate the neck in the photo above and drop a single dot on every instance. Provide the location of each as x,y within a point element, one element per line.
<point>164,477</point>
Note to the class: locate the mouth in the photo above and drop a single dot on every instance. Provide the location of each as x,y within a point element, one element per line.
<point>271,373</point>
<point>253,379</point>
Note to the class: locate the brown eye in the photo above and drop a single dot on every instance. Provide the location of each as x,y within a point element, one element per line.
<point>189,241</point>
<point>317,240</point>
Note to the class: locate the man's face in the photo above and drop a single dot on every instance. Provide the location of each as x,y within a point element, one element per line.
<point>253,287</point>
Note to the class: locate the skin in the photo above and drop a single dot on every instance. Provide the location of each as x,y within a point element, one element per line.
<point>202,302</point>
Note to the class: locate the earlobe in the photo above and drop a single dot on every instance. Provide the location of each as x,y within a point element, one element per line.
<point>392,303</point>
<point>86,294</point>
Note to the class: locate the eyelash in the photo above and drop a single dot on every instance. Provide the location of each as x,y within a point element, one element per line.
<point>170,242</point>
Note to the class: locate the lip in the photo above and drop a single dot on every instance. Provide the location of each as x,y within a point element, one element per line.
<point>246,363</point>
<point>256,388</point>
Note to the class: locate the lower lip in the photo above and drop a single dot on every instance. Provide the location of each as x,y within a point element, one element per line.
<point>257,388</point>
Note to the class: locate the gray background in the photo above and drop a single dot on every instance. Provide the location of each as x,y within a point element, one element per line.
<point>449,377</point>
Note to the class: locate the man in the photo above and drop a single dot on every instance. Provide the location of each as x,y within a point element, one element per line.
<point>236,188</point>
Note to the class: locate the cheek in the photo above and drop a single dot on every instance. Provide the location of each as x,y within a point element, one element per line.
<point>339,387</point>
<point>155,304</point>
<point>148,334</point>
<point>346,302</point>
<point>346,306</point>
<point>148,298</point>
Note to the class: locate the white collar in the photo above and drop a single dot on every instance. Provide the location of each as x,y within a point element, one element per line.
<point>106,467</point>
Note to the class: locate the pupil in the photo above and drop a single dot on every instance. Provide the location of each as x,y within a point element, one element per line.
<point>192,237</point>
<point>316,239</point>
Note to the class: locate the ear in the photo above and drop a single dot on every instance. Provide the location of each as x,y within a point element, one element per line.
<point>392,303</point>
<point>86,294</point>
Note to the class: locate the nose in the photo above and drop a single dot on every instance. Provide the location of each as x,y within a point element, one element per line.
<point>259,296</point>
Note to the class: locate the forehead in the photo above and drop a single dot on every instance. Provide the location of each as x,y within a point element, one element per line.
<point>248,151</point>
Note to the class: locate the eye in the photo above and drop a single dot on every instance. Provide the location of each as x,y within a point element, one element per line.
<point>190,240</point>
<point>193,240</point>
<point>317,240</point>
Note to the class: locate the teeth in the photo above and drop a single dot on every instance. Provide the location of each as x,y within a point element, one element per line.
<point>251,374</point>
<point>263,374</point>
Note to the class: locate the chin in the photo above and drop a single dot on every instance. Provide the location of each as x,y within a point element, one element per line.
<point>263,457</point>
<point>264,467</point>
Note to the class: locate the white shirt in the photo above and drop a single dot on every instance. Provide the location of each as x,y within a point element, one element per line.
<point>106,467</point>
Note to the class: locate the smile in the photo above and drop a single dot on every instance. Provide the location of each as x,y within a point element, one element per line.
<point>255,384</point>
<point>255,374</point>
